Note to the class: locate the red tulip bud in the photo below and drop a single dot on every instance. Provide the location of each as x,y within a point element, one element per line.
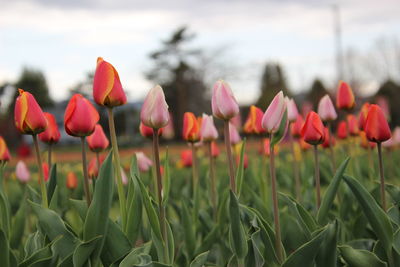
<point>4,153</point>
<point>253,122</point>
<point>51,135</point>
<point>342,130</point>
<point>345,97</point>
<point>72,181</point>
<point>353,125</point>
<point>376,126</point>
<point>313,131</point>
<point>98,141</point>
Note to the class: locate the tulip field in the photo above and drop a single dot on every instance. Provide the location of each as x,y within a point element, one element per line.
<point>278,189</point>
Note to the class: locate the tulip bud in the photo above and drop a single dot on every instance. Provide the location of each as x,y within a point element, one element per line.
<point>223,103</point>
<point>4,153</point>
<point>107,88</point>
<point>147,132</point>
<point>186,158</point>
<point>328,140</point>
<point>245,160</point>
<point>80,117</point>
<point>214,149</point>
<point>98,141</point>
<point>292,110</point>
<point>376,126</point>
<point>208,132</point>
<point>45,168</point>
<point>154,111</point>
<point>191,130</point>
<point>296,126</point>
<point>29,117</point>
<point>266,148</point>
<point>313,131</point>
<point>342,130</point>
<point>144,163</point>
<point>51,135</point>
<point>364,141</point>
<point>168,131</point>
<point>273,116</point>
<point>22,172</point>
<point>326,110</point>
<point>353,125</point>
<point>236,121</point>
<point>345,97</point>
<point>253,122</point>
<point>304,145</point>
<point>388,144</point>
<point>396,135</point>
<point>363,116</point>
<point>234,135</point>
<point>72,181</point>
<point>93,169</point>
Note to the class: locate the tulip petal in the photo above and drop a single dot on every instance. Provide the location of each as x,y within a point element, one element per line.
<point>103,81</point>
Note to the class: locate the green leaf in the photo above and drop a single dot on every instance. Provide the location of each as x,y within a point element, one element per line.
<point>236,231</point>
<point>277,137</point>
<point>34,242</point>
<point>136,258</point>
<point>330,193</point>
<point>256,247</point>
<point>166,179</point>
<point>40,256</point>
<point>83,251</point>
<point>18,223</point>
<point>51,185</point>
<point>240,168</point>
<point>80,206</point>
<point>189,230</point>
<point>378,219</point>
<point>327,256</point>
<point>5,214</point>
<point>200,260</point>
<point>33,194</point>
<point>4,250</point>
<point>360,258</point>
<point>171,245</point>
<point>54,200</point>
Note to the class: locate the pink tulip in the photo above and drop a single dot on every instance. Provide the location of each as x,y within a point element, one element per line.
<point>208,132</point>
<point>223,103</point>
<point>234,135</point>
<point>236,121</point>
<point>22,172</point>
<point>124,178</point>
<point>144,163</point>
<point>273,116</point>
<point>396,135</point>
<point>389,143</point>
<point>326,109</point>
<point>154,111</point>
<point>292,110</point>
<point>168,131</point>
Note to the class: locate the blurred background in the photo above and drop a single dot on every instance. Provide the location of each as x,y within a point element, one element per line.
<point>304,47</point>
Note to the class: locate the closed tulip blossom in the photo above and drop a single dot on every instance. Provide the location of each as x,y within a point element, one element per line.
<point>245,160</point>
<point>234,136</point>
<point>186,158</point>
<point>396,135</point>
<point>208,132</point>
<point>329,140</point>
<point>154,112</point>
<point>215,150</point>
<point>4,153</point>
<point>107,87</point>
<point>22,172</point>
<point>253,122</point>
<point>326,109</point>
<point>45,168</point>
<point>295,127</point>
<point>363,116</point>
<point>191,128</point>
<point>98,140</point>
<point>71,181</point>
<point>168,131</point>
<point>147,132</point>
<point>274,114</point>
<point>223,102</point>
<point>292,110</point>
<point>144,163</point>
<point>94,165</point>
<point>345,98</point>
<point>365,143</point>
<point>342,132</point>
<point>51,135</point>
<point>353,125</point>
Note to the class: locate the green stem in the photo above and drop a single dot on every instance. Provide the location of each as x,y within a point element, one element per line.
<point>317,177</point>
<point>212,178</point>
<point>296,171</point>
<point>383,197</point>
<point>85,172</point>
<point>331,148</point>
<point>229,156</point>
<point>41,176</point>
<point>50,148</point>
<point>195,181</point>
<point>98,162</point>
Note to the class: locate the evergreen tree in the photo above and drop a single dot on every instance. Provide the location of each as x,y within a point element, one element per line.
<point>317,91</point>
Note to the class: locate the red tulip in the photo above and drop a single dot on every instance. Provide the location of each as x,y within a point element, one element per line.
<point>93,170</point>
<point>376,126</point>
<point>4,153</point>
<point>313,131</point>
<point>147,131</point>
<point>29,117</point>
<point>245,160</point>
<point>107,88</point>
<point>214,149</point>
<point>296,126</point>
<point>364,141</point>
<point>45,168</point>
<point>342,130</point>
<point>345,97</point>
<point>98,141</point>
<point>72,181</point>
<point>253,122</point>
<point>186,158</point>
<point>353,125</point>
<point>265,150</point>
<point>80,116</point>
<point>223,103</point>
<point>191,129</point>
<point>363,115</point>
<point>51,135</point>
<point>329,140</point>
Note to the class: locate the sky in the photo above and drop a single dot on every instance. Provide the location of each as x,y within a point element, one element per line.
<point>64,38</point>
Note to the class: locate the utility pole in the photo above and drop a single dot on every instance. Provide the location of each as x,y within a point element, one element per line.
<point>338,43</point>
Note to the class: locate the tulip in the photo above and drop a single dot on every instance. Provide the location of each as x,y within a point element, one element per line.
<point>396,135</point>
<point>345,97</point>
<point>236,121</point>
<point>273,115</point>
<point>292,110</point>
<point>168,131</point>
<point>29,117</point>
<point>304,145</point>
<point>266,148</point>
<point>214,150</point>
<point>72,181</point>
<point>94,165</point>
<point>107,88</point>
<point>208,132</point>
<point>383,103</point>
<point>313,129</point>
<point>342,130</point>
<point>191,129</point>
<point>353,125</point>
<point>22,172</point>
<point>326,110</point>
<point>363,116</point>
<point>364,141</point>
<point>144,163</point>
<point>389,144</point>
<point>329,141</point>
<point>98,141</point>
<point>245,160</point>
<point>296,126</point>
<point>45,168</point>
<point>223,103</point>
<point>147,131</point>
<point>253,122</point>
<point>186,158</point>
<point>234,135</point>
<point>4,153</point>
<point>154,112</point>
<point>51,135</point>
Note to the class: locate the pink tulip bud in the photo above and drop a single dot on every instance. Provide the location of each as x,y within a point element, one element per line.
<point>326,110</point>
<point>396,135</point>
<point>168,131</point>
<point>389,143</point>
<point>208,132</point>
<point>223,103</point>
<point>234,135</point>
<point>144,163</point>
<point>292,110</point>
<point>22,172</point>
<point>154,111</point>
<point>273,116</point>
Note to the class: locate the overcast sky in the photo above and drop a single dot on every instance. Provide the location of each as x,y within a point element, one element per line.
<point>64,38</point>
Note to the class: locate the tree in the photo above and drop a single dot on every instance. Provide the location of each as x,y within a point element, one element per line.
<point>273,80</point>
<point>317,91</point>
<point>84,87</point>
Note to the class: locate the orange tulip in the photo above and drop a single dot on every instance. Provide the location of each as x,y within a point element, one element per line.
<point>345,97</point>
<point>353,125</point>
<point>51,135</point>
<point>376,126</point>
<point>107,88</point>
<point>80,116</point>
<point>363,115</point>
<point>296,126</point>
<point>191,127</point>
<point>98,141</point>
<point>29,117</point>
<point>313,130</point>
<point>72,181</point>
<point>342,130</point>
<point>266,148</point>
<point>4,153</point>
<point>253,122</point>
